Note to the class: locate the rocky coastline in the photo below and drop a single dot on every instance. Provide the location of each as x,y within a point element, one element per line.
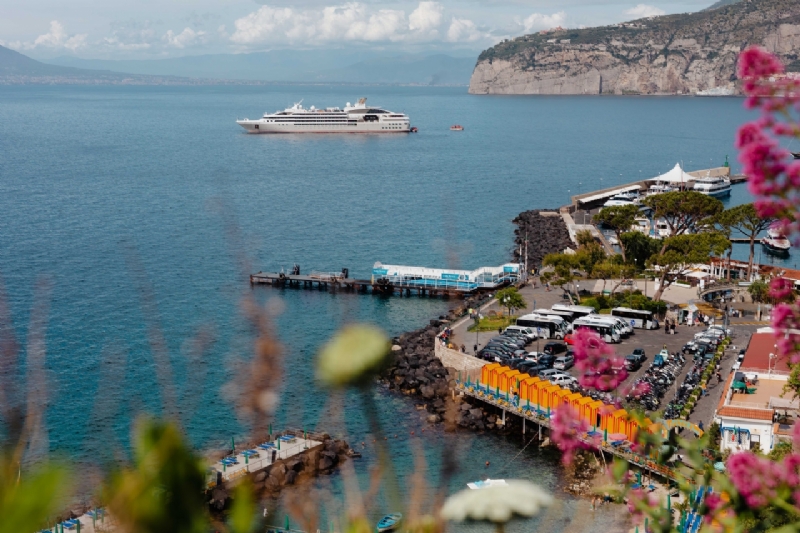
<point>544,231</point>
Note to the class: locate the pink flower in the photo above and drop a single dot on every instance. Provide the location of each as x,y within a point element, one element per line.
<point>599,366</point>
<point>713,502</point>
<point>755,62</point>
<point>638,500</point>
<point>566,430</point>
<point>780,288</point>
<point>756,479</point>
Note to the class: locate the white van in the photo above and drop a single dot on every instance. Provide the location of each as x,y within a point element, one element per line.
<point>528,333</point>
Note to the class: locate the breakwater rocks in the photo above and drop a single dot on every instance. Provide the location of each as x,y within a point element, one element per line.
<point>545,233</point>
<point>270,481</point>
<point>417,371</point>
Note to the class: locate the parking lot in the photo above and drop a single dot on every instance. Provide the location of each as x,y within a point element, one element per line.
<point>652,341</point>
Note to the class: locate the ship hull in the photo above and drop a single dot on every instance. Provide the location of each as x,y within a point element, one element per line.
<point>257,126</point>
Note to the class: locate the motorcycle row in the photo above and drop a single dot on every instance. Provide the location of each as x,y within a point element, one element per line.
<point>657,380</point>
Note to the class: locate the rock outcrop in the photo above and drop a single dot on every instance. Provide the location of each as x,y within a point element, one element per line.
<point>544,232</point>
<point>673,54</point>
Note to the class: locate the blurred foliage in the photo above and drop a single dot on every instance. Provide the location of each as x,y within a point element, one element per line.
<point>162,492</point>
<point>29,501</point>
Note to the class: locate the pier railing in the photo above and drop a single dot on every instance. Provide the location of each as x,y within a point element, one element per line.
<point>542,418</point>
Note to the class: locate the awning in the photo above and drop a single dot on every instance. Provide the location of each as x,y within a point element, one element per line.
<point>676,175</point>
<point>608,194</point>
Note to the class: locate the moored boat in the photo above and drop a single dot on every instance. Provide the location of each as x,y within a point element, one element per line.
<point>456,127</point>
<point>716,187</point>
<point>776,243</point>
<point>390,522</point>
<point>475,485</point>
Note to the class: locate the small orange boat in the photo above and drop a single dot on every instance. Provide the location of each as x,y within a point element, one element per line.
<point>456,127</point>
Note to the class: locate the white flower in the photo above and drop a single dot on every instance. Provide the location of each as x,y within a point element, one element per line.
<point>496,503</point>
<point>353,355</point>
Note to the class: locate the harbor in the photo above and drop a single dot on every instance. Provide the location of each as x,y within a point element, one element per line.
<point>388,280</point>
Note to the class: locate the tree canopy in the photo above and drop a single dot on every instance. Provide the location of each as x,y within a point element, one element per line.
<point>744,220</point>
<point>640,247</point>
<point>683,210</point>
<point>620,218</point>
<point>511,299</point>
<point>680,252</point>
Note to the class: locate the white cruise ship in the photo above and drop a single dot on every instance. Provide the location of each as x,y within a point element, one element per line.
<point>717,187</point>
<point>352,119</point>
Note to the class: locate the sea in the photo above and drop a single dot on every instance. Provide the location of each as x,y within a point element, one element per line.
<point>133,216</point>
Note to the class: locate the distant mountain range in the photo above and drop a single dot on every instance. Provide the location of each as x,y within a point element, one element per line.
<point>305,66</point>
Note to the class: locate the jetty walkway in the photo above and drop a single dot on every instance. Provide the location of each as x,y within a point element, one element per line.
<point>593,439</point>
<point>285,445</point>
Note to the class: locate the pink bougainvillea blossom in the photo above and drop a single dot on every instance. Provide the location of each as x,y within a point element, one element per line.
<point>756,478</point>
<point>567,430</point>
<point>780,288</point>
<point>599,367</point>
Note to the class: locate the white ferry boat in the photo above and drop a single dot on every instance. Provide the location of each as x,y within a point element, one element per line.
<point>717,187</point>
<point>352,119</point>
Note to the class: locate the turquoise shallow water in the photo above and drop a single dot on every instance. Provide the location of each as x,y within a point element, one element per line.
<point>116,193</point>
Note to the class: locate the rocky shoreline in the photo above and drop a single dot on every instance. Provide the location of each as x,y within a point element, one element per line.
<point>300,468</point>
<point>545,233</point>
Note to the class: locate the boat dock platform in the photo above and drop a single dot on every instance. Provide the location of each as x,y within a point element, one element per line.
<point>398,280</point>
<point>542,420</point>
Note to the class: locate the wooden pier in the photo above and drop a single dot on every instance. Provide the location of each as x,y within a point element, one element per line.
<point>380,286</point>
<point>542,420</point>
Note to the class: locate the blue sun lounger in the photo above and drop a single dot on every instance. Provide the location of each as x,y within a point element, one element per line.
<point>266,446</point>
<point>96,513</point>
<point>69,524</point>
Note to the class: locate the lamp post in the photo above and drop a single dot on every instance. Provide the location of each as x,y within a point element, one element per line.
<point>477,320</point>
<point>769,364</point>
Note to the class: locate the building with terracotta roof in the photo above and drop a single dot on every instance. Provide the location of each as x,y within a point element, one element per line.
<point>749,411</point>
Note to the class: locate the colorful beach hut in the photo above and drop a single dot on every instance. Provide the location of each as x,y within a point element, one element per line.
<point>508,380</point>
<point>486,373</point>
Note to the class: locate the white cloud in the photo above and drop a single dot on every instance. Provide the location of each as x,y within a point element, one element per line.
<point>426,18</point>
<point>185,38</point>
<point>350,22</point>
<point>538,21</point>
<point>461,30</point>
<point>644,11</point>
<point>57,37</point>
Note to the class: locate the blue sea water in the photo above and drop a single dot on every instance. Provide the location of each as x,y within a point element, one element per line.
<point>144,209</point>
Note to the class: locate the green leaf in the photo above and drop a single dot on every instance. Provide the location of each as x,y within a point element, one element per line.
<point>26,506</point>
<point>244,509</point>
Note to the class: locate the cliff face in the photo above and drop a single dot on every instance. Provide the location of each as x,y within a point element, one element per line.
<point>675,54</point>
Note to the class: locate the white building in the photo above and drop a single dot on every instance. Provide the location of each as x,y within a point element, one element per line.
<point>751,419</point>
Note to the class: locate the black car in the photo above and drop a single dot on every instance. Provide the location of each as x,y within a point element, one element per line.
<point>531,368</point>
<point>632,363</point>
<point>516,362</point>
<point>547,360</point>
<point>554,348</point>
<point>639,352</point>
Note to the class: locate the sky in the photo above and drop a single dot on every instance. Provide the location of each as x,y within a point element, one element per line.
<point>151,29</point>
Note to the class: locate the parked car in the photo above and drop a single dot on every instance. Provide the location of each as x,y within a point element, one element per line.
<point>639,352</point>
<point>547,360</point>
<point>565,362</point>
<point>510,340</point>
<point>531,368</point>
<point>529,333</point>
<point>554,348</point>
<point>550,372</point>
<point>632,363</point>
<point>565,381</point>
<point>569,339</point>
<point>740,357</point>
